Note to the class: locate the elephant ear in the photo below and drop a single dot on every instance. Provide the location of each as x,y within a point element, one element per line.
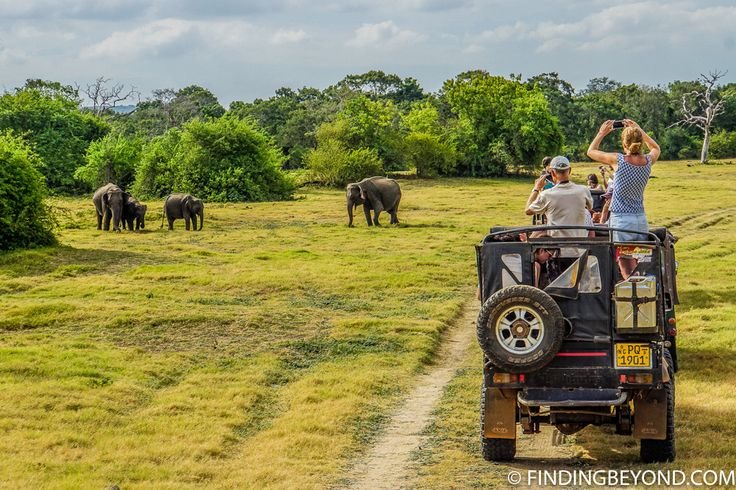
<point>187,201</point>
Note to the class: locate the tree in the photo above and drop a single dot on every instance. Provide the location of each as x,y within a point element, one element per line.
<point>24,218</point>
<point>376,84</point>
<point>169,108</point>
<point>701,107</point>
<point>291,117</point>
<point>47,115</point>
<point>111,159</point>
<point>504,117</point>
<point>333,163</point>
<point>105,97</point>
<point>374,124</point>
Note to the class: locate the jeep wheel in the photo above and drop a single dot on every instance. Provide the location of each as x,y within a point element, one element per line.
<point>660,451</point>
<point>520,329</point>
<point>494,449</point>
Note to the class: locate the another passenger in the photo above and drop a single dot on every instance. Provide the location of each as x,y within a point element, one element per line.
<point>631,178</point>
<point>547,174</point>
<point>593,184</point>
<point>564,204</point>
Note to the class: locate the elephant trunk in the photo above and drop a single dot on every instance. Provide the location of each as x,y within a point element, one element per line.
<point>201,219</point>
<point>116,218</point>
<point>351,206</point>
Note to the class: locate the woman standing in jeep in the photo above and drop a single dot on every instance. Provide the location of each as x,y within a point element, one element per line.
<point>631,178</point>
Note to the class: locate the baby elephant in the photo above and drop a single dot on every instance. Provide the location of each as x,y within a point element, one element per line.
<point>134,211</point>
<point>376,194</point>
<point>177,206</point>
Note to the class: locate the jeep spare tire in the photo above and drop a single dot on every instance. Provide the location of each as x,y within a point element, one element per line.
<point>520,329</point>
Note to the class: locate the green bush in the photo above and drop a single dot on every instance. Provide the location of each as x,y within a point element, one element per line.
<point>333,164</point>
<point>723,145</point>
<point>229,159</point>
<point>429,155</point>
<point>156,175</point>
<point>24,218</point>
<point>110,159</point>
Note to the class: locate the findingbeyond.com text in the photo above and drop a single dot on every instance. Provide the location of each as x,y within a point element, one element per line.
<point>623,478</point>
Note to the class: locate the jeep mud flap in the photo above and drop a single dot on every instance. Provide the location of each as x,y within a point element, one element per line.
<point>499,418</point>
<point>650,415</point>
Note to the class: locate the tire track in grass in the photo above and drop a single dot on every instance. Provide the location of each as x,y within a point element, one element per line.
<point>388,463</point>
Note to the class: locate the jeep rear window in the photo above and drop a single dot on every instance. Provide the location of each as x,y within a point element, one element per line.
<point>590,281</point>
<point>511,271</point>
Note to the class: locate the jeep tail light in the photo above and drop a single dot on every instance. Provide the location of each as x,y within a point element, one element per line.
<point>638,379</point>
<point>504,378</point>
<point>671,321</point>
<point>672,332</point>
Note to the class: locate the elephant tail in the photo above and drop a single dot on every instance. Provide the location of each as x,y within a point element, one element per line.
<point>163,214</point>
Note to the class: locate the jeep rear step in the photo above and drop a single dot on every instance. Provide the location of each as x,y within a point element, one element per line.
<point>578,397</point>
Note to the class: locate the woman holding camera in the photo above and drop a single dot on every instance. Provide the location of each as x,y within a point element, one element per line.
<point>632,175</point>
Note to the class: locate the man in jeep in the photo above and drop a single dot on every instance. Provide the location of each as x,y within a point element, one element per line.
<point>566,203</point>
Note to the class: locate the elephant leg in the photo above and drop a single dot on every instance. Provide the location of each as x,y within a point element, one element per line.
<point>187,222</point>
<point>99,221</point>
<point>394,218</point>
<point>376,212</point>
<point>367,211</point>
<point>108,217</point>
<point>171,222</point>
<point>194,222</point>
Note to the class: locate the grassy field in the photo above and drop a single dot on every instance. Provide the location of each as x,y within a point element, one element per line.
<point>268,349</point>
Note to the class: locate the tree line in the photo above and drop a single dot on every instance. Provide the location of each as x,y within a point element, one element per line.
<point>478,124</point>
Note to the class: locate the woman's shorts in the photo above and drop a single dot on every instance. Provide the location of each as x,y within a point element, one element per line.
<point>634,222</point>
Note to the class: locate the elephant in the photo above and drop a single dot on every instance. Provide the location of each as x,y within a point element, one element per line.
<point>109,201</point>
<point>177,206</point>
<point>134,211</point>
<point>377,194</point>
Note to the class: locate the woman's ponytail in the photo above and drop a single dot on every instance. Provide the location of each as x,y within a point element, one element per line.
<point>632,140</point>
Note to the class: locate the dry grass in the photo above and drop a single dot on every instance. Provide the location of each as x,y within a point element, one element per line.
<point>267,350</point>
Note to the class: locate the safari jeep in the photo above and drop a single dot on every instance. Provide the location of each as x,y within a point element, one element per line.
<point>568,342</point>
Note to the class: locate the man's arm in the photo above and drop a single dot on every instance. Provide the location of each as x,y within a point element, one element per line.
<point>533,206</point>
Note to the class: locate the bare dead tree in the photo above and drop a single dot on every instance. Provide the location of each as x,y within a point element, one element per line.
<point>104,97</point>
<point>700,108</point>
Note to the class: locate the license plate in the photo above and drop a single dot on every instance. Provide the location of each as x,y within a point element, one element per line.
<point>633,356</point>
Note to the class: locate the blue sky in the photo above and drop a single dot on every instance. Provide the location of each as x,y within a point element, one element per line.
<point>243,49</point>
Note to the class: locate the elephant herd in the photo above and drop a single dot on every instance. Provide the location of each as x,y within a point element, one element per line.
<point>114,204</point>
<point>376,194</point>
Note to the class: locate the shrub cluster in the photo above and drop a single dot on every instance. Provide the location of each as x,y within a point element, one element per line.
<point>225,159</point>
<point>24,218</point>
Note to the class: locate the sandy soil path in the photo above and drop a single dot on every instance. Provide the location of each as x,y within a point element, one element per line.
<point>387,464</point>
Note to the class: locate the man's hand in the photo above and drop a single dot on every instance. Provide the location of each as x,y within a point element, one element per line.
<point>539,183</point>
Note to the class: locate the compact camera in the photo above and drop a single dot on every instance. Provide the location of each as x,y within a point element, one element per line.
<point>618,124</point>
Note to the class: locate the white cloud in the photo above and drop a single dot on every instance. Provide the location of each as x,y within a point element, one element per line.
<point>10,55</point>
<point>150,40</point>
<point>287,36</point>
<point>383,34</point>
<point>634,25</point>
<point>170,37</point>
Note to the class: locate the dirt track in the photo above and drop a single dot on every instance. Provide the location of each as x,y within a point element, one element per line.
<point>388,464</point>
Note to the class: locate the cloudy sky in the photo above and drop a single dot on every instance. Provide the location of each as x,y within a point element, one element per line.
<point>243,49</point>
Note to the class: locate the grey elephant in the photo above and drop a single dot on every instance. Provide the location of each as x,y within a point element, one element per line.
<point>109,202</point>
<point>375,194</point>
<point>177,206</point>
<point>134,212</point>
